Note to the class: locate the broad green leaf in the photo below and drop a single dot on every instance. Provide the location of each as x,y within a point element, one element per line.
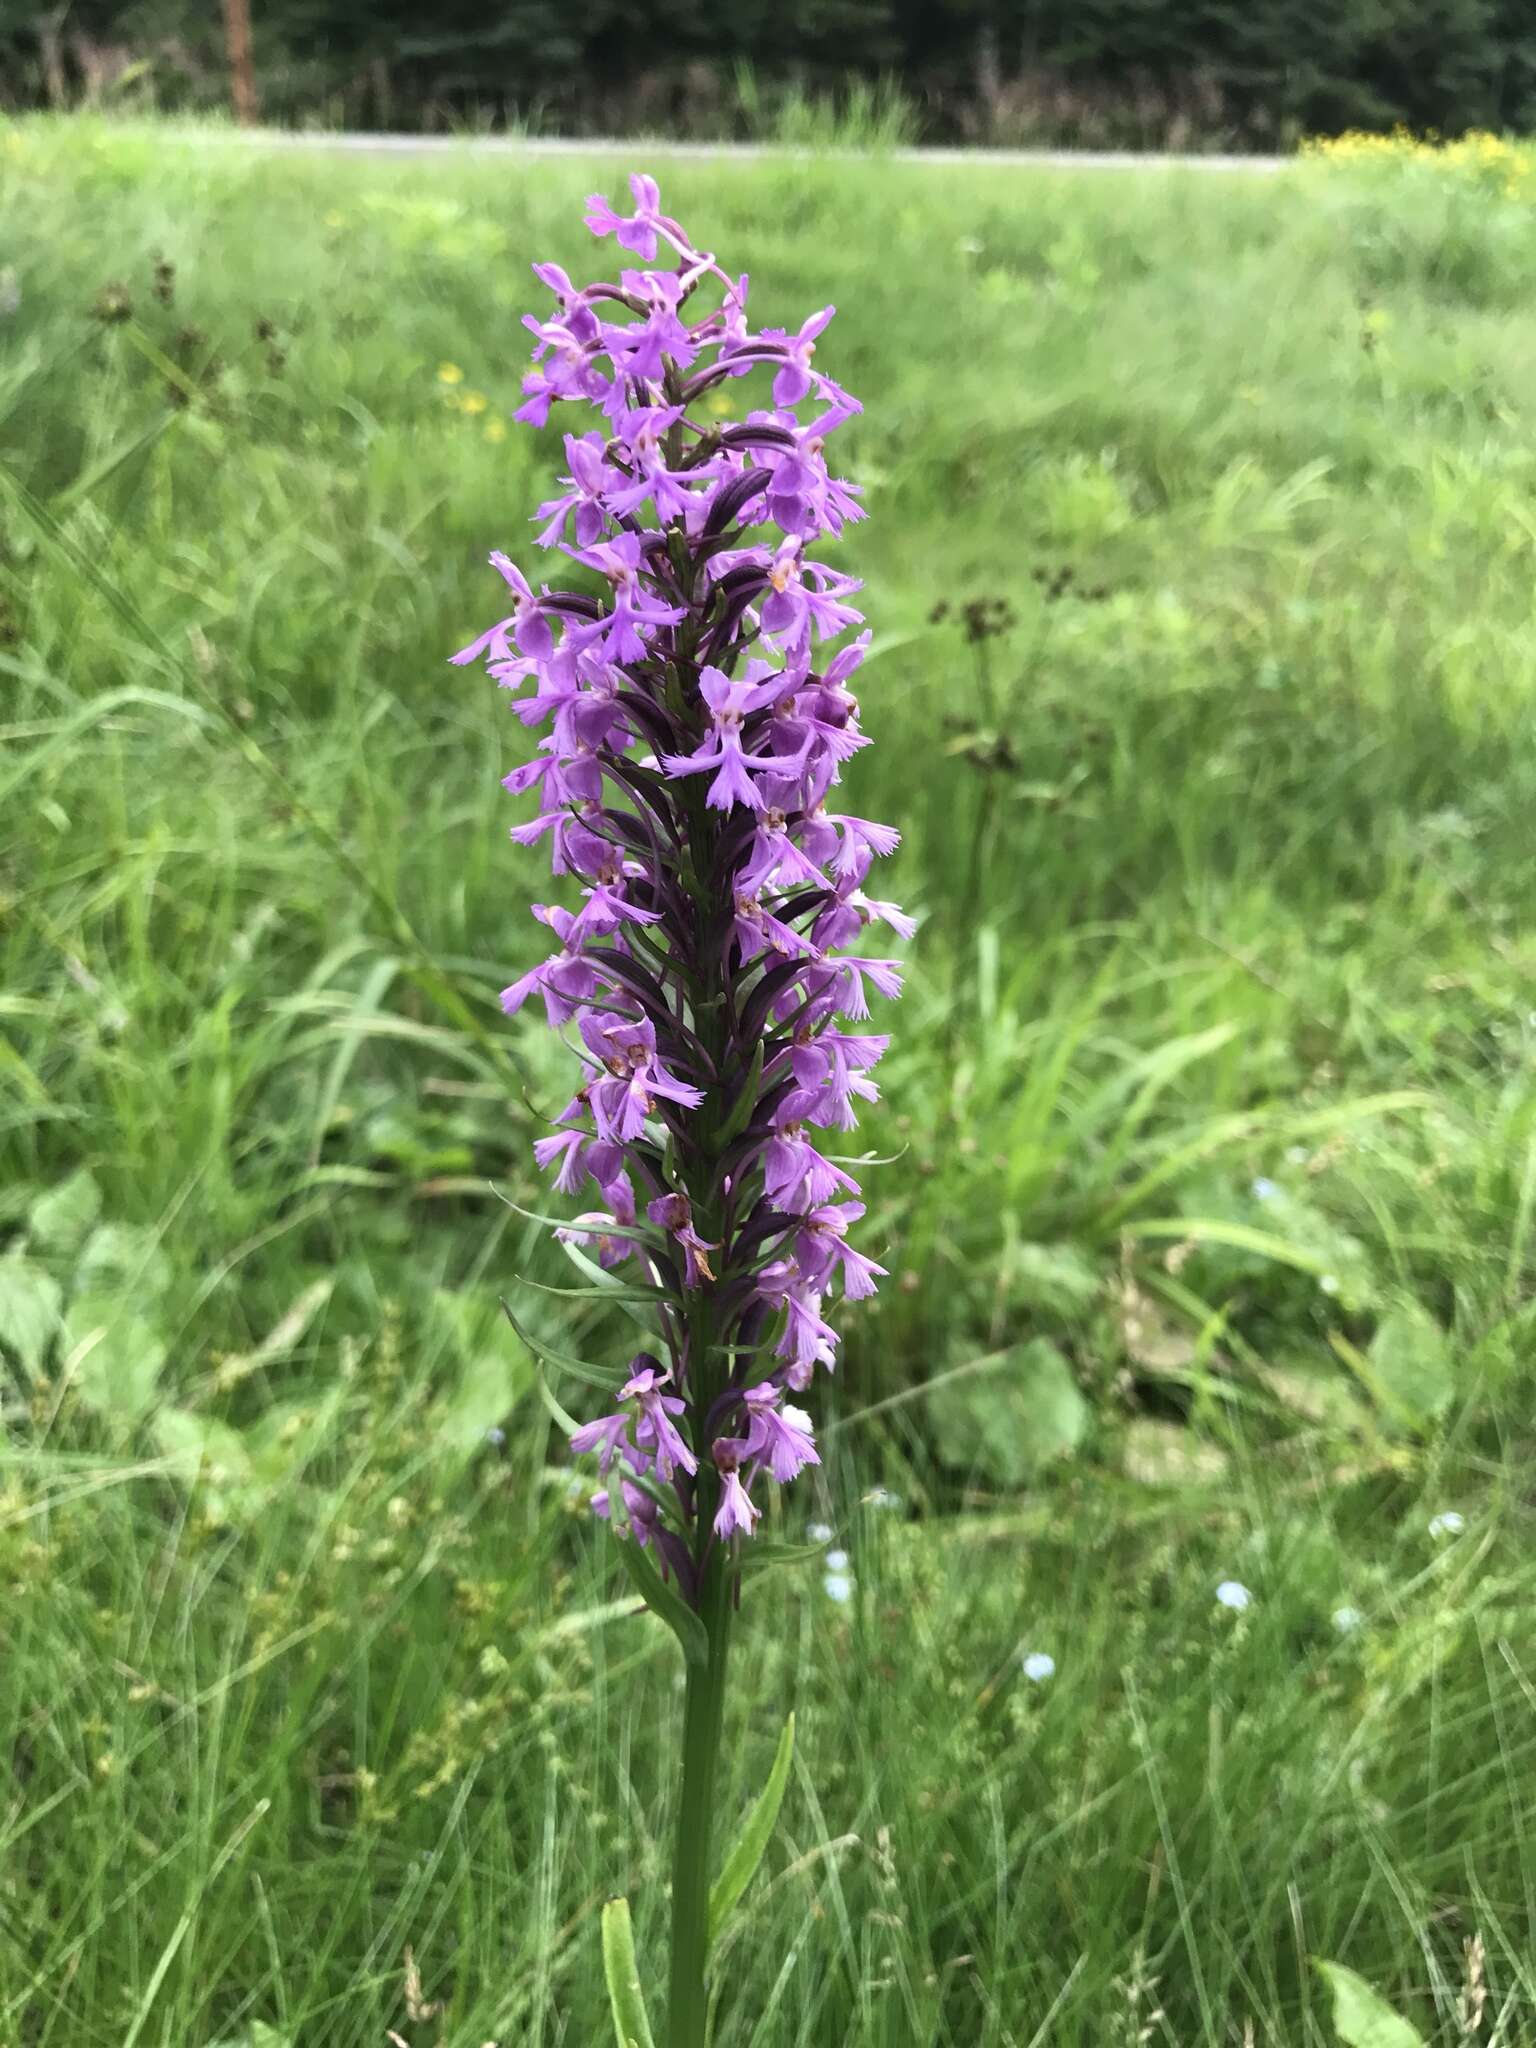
<point>1009,1420</point>
<point>631,2027</point>
<point>123,1256</point>
<point>1164,1454</point>
<point>1361,2015</point>
<point>489,1384</point>
<point>665,1601</point>
<point>1057,1278</point>
<point>61,1216</point>
<point>212,1455</point>
<point>1412,1366</point>
<point>117,1357</point>
<point>30,1301</point>
<point>1316,1393</point>
<point>748,1848</point>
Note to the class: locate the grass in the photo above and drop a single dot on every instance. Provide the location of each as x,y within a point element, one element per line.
<point>1210,1112</point>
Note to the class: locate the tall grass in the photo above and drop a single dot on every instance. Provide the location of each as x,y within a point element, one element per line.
<point>1210,1106</point>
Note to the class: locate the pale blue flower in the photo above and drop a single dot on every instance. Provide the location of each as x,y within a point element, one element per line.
<point>1038,1666</point>
<point>838,1586</point>
<point>1448,1524</point>
<point>1230,1593</point>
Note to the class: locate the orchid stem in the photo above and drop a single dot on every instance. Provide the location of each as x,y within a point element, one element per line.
<point>703,1712</point>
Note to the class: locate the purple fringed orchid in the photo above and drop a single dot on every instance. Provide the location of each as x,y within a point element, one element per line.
<point>697,722</point>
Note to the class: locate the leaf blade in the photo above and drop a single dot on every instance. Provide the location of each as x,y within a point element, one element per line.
<point>1361,2016</point>
<point>749,1847</point>
<point>665,1602</point>
<point>632,2029</point>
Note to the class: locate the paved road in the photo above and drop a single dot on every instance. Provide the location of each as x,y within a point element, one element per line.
<point>510,145</point>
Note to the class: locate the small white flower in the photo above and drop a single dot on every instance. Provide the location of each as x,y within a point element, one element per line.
<point>836,1560</point>
<point>1039,1665</point>
<point>882,1497</point>
<point>1297,1155</point>
<point>1230,1593</point>
<point>1347,1619</point>
<point>1328,1283</point>
<point>819,1532</point>
<point>496,1438</point>
<point>1448,1524</point>
<point>1264,1190</point>
<point>839,1587</point>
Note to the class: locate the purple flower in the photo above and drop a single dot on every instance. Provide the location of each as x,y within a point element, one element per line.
<point>694,720</point>
<point>794,380</point>
<point>675,1215</point>
<point>656,1430</point>
<point>736,1515</point>
<point>639,230</point>
<point>778,1434</point>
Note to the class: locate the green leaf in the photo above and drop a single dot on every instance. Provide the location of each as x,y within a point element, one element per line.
<point>489,1386</point>
<point>665,1601</point>
<point>747,1850</point>
<point>125,1257</point>
<point>257,2035</point>
<point>631,2027</point>
<point>608,1377</point>
<point>30,1301</point>
<point>118,1357</point>
<point>638,1303</point>
<point>1009,1420</point>
<point>60,1217</point>
<point>1412,1367</point>
<point>1362,2016</point>
<point>1056,1278</point>
<point>1166,1454</point>
<point>759,1555</point>
<point>211,1454</point>
<point>746,1101</point>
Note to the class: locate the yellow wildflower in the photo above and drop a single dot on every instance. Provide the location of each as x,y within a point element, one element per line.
<point>449,373</point>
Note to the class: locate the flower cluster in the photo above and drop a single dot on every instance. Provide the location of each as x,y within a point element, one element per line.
<point>696,723</point>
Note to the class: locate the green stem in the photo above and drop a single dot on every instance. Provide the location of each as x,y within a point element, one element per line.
<point>702,1718</point>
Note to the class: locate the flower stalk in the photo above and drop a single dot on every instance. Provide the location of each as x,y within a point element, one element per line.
<point>697,715</point>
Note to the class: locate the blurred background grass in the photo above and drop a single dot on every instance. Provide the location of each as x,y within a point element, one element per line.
<point>1199,559</point>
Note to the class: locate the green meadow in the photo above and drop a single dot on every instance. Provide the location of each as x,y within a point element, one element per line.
<point>1200,557</point>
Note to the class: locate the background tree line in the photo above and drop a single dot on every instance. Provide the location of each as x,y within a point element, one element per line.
<point>1185,72</point>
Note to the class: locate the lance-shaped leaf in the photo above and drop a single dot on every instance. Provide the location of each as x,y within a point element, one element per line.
<point>746,1101</point>
<point>747,1850</point>
<point>1360,2013</point>
<point>759,1555</point>
<point>608,1377</point>
<point>631,2027</point>
<point>662,1599</point>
